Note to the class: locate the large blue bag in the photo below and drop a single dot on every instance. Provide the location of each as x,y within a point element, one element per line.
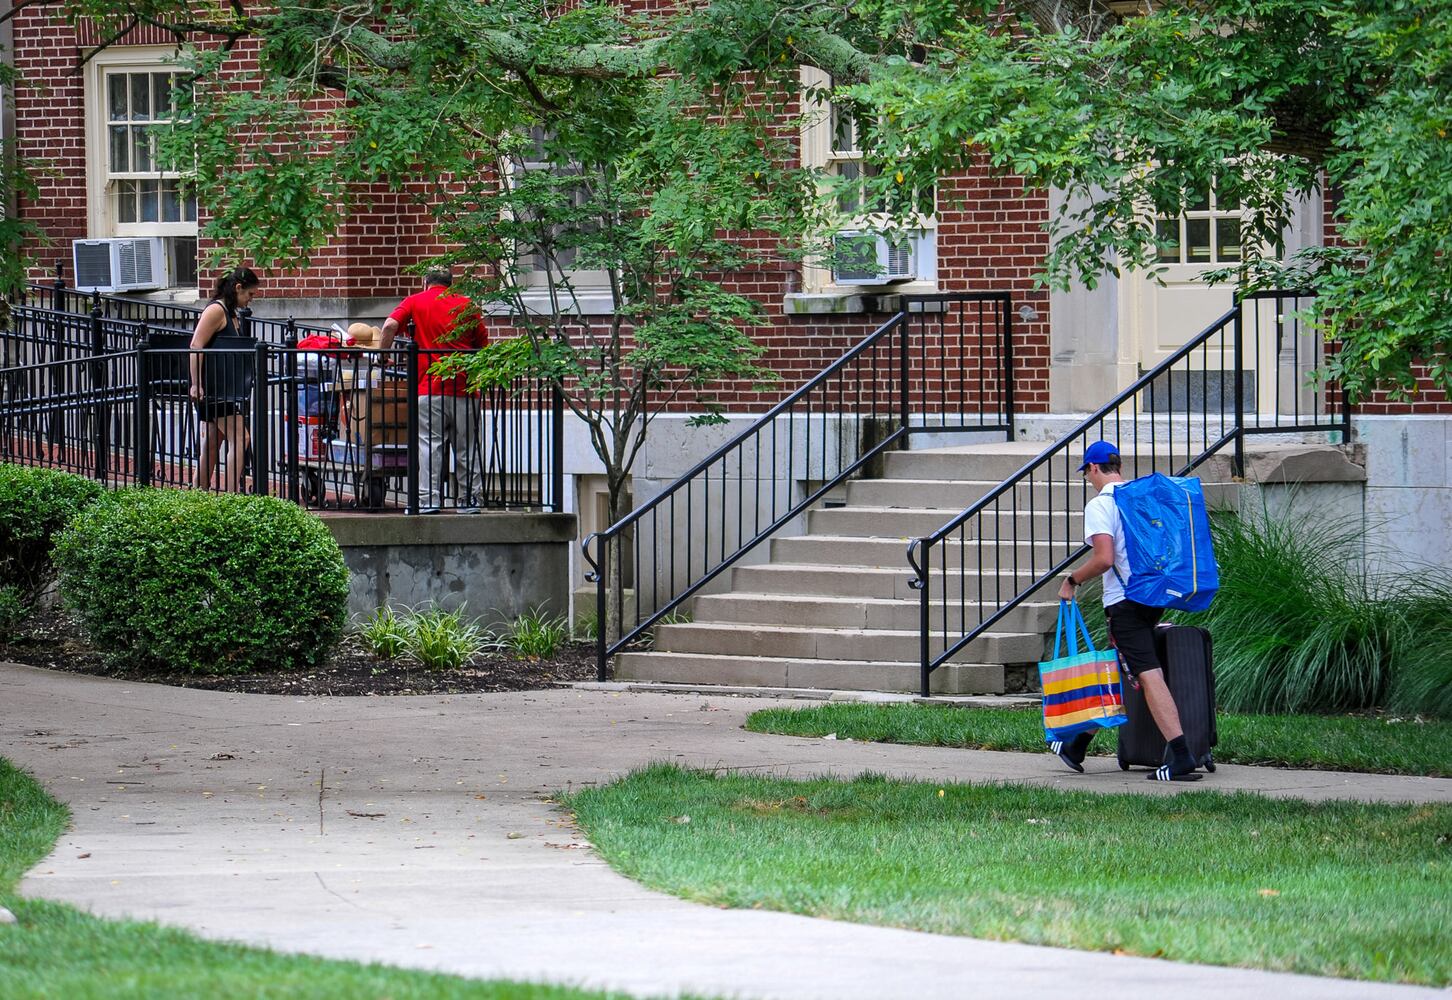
<point>1167,542</point>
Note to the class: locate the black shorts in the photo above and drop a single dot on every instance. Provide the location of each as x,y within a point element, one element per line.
<point>212,410</point>
<point>1132,627</point>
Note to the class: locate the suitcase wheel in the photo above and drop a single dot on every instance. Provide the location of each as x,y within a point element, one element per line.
<point>1124,765</point>
<point>1210,763</point>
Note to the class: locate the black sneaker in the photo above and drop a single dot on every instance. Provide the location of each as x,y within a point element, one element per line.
<point>1065,753</point>
<point>1167,772</point>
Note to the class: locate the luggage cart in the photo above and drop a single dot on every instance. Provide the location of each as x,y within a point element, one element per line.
<point>361,435</point>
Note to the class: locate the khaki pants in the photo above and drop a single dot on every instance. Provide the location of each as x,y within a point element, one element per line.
<point>450,426</point>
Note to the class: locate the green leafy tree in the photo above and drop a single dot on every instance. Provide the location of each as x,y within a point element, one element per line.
<point>1259,98</point>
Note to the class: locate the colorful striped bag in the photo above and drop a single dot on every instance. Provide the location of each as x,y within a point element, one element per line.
<point>1082,691</point>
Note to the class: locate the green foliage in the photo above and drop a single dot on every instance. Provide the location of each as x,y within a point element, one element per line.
<point>35,505</point>
<point>443,640</point>
<point>385,632</point>
<point>534,635</point>
<point>14,609</point>
<point>208,583</point>
<point>1422,680</point>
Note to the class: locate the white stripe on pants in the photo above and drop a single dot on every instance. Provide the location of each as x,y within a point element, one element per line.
<point>450,424</point>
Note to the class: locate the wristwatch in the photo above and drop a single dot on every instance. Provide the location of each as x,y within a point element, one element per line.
<point>1070,577</point>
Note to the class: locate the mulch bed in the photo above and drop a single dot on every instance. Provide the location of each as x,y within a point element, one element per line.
<point>55,640</point>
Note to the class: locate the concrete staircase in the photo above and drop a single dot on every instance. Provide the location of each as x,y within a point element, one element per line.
<point>833,609</point>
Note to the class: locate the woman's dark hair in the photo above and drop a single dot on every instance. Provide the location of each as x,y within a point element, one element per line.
<point>227,285</point>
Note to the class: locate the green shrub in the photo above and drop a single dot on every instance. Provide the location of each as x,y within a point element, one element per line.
<point>534,635</point>
<point>443,640</point>
<point>14,609</point>
<point>35,504</point>
<point>204,582</point>
<point>386,633</point>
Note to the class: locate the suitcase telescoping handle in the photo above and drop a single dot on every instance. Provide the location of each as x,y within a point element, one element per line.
<point>1077,626</point>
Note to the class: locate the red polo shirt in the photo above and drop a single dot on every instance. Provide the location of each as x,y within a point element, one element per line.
<point>441,319</point>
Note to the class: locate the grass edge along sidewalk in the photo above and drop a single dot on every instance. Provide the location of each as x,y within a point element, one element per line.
<point>1372,744</point>
<point>1356,890</point>
<point>59,951</point>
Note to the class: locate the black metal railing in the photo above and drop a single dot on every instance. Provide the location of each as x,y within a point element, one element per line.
<point>341,428</point>
<point>943,364</point>
<point>1248,373</point>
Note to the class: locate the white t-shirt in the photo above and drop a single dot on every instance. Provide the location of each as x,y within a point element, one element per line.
<point>1101,517</point>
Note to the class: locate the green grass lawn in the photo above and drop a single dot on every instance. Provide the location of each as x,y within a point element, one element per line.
<point>56,951</point>
<point>1331,888</point>
<point>1379,744</point>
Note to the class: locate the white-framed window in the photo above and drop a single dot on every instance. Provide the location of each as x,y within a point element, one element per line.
<point>1207,232</point>
<point>583,290</point>
<point>129,92</point>
<point>832,141</point>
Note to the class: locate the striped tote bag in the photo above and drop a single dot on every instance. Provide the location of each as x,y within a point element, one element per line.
<point>1082,690</point>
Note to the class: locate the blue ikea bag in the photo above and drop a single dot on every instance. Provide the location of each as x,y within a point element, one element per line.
<point>1167,542</point>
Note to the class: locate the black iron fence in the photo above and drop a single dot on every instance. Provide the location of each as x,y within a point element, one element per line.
<point>944,364</point>
<point>1249,372</point>
<point>340,428</point>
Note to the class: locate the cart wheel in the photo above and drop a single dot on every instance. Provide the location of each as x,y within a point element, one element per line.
<point>1210,763</point>
<point>312,488</point>
<point>372,491</point>
<point>1124,765</point>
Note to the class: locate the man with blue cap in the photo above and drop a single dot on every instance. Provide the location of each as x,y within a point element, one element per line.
<point>1131,624</point>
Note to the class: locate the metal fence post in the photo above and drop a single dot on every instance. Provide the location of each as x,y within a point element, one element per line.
<point>100,416</point>
<point>1237,461</point>
<point>244,321</point>
<point>1007,366</point>
<point>58,289</point>
<point>557,446</point>
<point>144,472</point>
<point>259,424</point>
<point>293,436</point>
<point>904,406</point>
<point>413,422</point>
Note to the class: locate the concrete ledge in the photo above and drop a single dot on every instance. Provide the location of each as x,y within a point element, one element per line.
<point>491,528</point>
<point>808,694</point>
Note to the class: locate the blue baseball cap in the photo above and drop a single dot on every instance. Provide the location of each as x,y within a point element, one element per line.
<point>1099,451</point>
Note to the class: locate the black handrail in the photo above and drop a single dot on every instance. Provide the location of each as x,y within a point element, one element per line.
<point>1177,372</point>
<point>855,409</point>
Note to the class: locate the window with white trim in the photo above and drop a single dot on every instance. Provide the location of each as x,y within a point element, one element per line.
<point>1207,232</point>
<point>832,140</point>
<point>581,289</point>
<point>130,92</point>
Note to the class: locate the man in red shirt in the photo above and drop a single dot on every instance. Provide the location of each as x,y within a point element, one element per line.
<point>448,413</point>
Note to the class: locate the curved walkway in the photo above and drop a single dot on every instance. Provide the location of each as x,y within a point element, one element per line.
<point>417,832</point>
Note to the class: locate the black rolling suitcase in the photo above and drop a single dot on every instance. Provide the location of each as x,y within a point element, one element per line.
<point>1185,651</point>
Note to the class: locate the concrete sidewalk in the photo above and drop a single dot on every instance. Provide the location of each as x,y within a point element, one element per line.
<point>414,831</point>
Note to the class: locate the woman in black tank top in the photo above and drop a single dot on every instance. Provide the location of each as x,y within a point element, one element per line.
<point>220,388</point>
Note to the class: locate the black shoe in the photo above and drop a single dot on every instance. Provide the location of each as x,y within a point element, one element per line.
<point>1065,753</point>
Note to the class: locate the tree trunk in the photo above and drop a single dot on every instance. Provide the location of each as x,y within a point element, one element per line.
<point>614,554</point>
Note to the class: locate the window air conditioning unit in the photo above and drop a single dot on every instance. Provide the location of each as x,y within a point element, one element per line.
<point>861,258</point>
<point>126,264</point>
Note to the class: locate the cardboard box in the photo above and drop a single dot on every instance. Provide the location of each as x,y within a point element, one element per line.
<point>378,416</point>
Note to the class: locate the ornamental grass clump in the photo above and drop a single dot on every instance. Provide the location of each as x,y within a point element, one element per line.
<point>183,580</point>
<point>444,640</point>
<point>534,635</point>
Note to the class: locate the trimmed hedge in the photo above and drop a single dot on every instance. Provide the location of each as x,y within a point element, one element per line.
<point>35,504</point>
<point>208,583</point>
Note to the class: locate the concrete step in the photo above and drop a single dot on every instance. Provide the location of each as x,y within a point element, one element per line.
<point>863,612</point>
<point>807,642</point>
<point>864,581</point>
<point>903,522</point>
<point>998,462</point>
<point>1058,495</point>
<point>982,554</point>
<point>776,671</point>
